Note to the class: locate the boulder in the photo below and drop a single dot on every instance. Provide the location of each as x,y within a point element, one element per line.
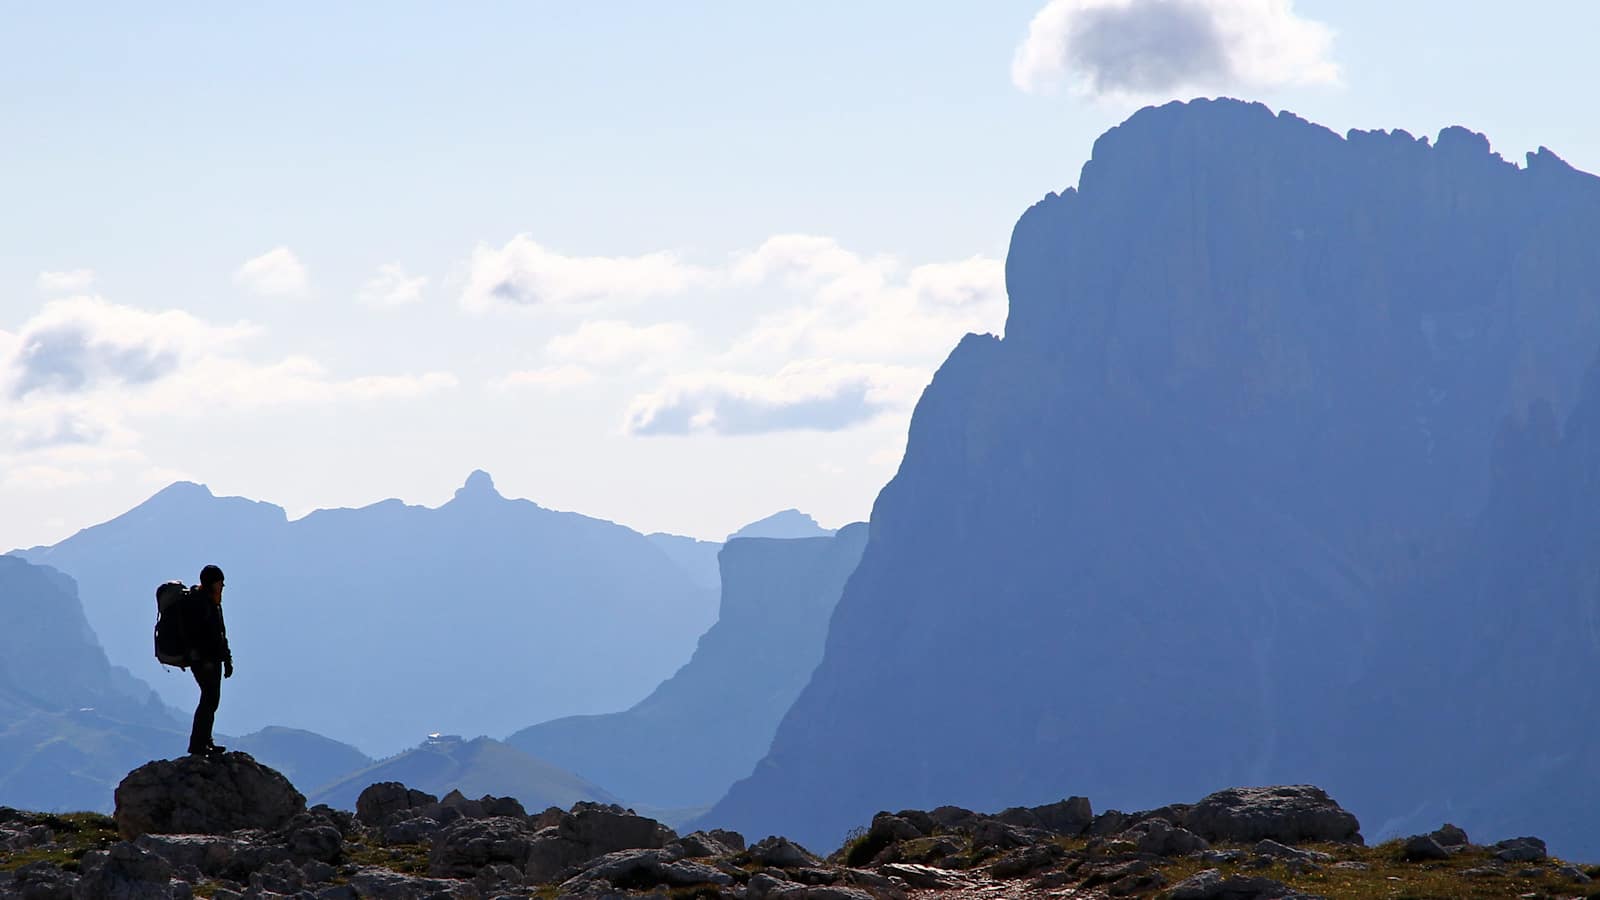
<point>382,800</point>
<point>1450,836</point>
<point>384,884</point>
<point>701,844</point>
<point>1069,817</point>
<point>782,853</point>
<point>1210,885</point>
<point>41,881</point>
<point>588,831</point>
<point>1289,814</point>
<point>644,869</point>
<point>1421,848</point>
<point>1274,850</point>
<point>217,856</point>
<point>1161,838</point>
<point>125,872</point>
<point>1522,849</point>
<point>462,849</point>
<point>204,795</point>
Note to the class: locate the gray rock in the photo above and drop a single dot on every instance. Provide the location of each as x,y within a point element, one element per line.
<point>635,869</point>
<point>1289,814</point>
<point>1070,817</point>
<point>217,856</point>
<point>782,853</point>
<point>887,829</point>
<point>1574,874</point>
<point>952,818</point>
<point>411,831</point>
<point>1450,836</point>
<point>1026,860</point>
<point>992,834</point>
<point>322,843</point>
<point>204,795</point>
<point>124,872</point>
<point>42,881</point>
<point>1276,850</point>
<point>1422,847</point>
<point>1160,837</point>
<point>729,838</point>
<point>701,844</point>
<point>382,800</point>
<point>1522,849</point>
<point>318,872</point>
<point>919,876</point>
<point>370,883</point>
<point>1210,885</point>
<point>462,849</point>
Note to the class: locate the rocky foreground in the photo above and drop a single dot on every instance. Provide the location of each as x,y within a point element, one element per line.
<point>229,827</point>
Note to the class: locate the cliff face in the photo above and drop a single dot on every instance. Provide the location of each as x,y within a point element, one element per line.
<point>378,625</point>
<point>71,725</point>
<point>708,724</point>
<point>1146,545</point>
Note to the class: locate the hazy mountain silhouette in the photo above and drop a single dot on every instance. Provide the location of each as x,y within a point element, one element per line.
<point>378,625</point>
<point>707,725</point>
<point>73,723</point>
<point>474,767</point>
<point>697,558</point>
<point>1143,546</point>
<point>786,524</point>
<point>309,760</point>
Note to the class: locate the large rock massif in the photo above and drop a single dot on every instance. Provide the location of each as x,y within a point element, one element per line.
<point>707,725</point>
<point>1156,540</point>
<point>383,624</point>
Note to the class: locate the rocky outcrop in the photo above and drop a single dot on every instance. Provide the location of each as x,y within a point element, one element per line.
<point>709,723</point>
<point>489,849</point>
<point>204,795</point>
<point>1290,814</point>
<point>1249,386</point>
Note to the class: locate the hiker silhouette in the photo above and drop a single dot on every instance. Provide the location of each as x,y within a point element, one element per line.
<point>212,660</point>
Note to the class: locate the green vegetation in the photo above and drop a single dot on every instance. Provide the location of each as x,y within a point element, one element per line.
<point>76,834</point>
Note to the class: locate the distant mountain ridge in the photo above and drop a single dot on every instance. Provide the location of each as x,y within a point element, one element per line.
<point>708,724</point>
<point>1149,543</point>
<point>474,767</point>
<point>375,626</point>
<point>784,524</point>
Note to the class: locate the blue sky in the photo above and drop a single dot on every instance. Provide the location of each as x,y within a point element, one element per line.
<point>677,265</point>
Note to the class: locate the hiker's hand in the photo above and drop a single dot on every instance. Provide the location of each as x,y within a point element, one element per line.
<point>227,668</point>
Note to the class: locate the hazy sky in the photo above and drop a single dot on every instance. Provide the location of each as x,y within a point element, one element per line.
<point>675,265</point>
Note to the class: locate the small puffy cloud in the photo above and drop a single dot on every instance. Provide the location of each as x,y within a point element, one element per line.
<point>65,282</point>
<point>609,343</point>
<point>524,273</point>
<point>812,395</point>
<point>1157,48</point>
<point>276,273</point>
<point>550,378</point>
<point>392,286</point>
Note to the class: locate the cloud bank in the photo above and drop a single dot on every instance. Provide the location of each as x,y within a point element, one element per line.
<point>1157,48</point>
<point>814,395</point>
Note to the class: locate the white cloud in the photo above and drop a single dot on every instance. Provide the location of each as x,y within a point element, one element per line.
<point>276,273</point>
<point>609,343</point>
<point>550,378</point>
<point>391,286</point>
<point>816,395</point>
<point>82,374</point>
<point>65,282</point>
<point>1154,49</point>
<point>524,273</point>
<point>868,309</point>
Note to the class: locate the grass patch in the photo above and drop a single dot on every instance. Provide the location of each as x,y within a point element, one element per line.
<point>407,859</point>
<point>75,835</point>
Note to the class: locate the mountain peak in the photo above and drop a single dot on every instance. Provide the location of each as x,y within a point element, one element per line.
<point>478,484</point>
<point>788,523</point>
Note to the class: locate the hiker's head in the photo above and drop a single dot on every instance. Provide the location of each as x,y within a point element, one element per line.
<point>211,582</point>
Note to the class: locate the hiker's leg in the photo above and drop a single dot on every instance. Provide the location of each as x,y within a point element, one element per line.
<point>208,675</point>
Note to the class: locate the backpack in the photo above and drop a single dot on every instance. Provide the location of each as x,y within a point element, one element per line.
<point>172,646</point>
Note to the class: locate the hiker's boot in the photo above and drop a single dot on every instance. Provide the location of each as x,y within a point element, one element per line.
<point>214,750</point>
